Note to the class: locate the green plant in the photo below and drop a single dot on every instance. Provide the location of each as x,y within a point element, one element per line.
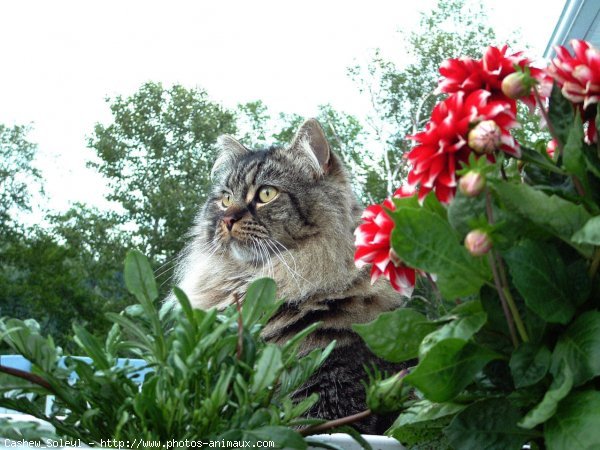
<point>209,376</point>
<point>517,360</point>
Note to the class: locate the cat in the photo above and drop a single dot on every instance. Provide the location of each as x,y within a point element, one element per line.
<point>290,214</point>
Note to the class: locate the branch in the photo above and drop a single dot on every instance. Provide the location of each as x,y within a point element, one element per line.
<point>35,379</point>
<point>335,423</point>
<point>240,330</point>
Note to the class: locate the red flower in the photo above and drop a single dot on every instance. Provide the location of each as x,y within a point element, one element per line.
<point>373,246</point>
<point>578,76</point>
<point>443,144</point>
<point>468,75</point>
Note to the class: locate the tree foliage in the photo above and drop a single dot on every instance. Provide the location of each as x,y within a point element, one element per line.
<point>157,155</point>
<point>17,173</point>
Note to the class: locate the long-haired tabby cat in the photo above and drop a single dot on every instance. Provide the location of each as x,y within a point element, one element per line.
<point>290,214</point>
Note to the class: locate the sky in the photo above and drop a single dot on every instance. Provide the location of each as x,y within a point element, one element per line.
<point>61,59</point>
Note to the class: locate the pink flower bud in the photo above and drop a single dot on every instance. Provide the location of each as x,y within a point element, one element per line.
<point>517,85</point>
<point>551,148</point>
<point>485,137</point>
<point>478,242</point>
<point>471,184</point>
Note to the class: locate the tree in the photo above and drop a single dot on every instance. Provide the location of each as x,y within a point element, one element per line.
<point>17,173</point>
<point>402,97</point>
<point>157,156</point>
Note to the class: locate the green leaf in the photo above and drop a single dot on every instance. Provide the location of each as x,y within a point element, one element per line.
<point>139,277</point>
<point>463,210</point>
<point>591,157</point>
<point>92,347</point>
<point>431,203</point>
<point>529,364</point>
<point>404,330</point>
<point>560,113</point>
<point>576,423</point>
<point>559,389</point>
<point>462,327</point>
<point>259,301</point>
<point>573,157</point>
<point>535,157</point>
<point>589,233</point>
<point>283,437</point>
<point>267,368</point>
<point>488,424</point>
<point>426,241</point>
<point>554,214</point>
<point>579,347</point>
<point>424,411</point>
<point>540,275</point>
<point>449,367</point>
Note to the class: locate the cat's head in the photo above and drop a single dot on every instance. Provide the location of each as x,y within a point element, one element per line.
<point>265,202</point>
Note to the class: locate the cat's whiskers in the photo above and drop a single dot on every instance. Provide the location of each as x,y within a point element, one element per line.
<point>293,272</point>
<point>271,269</point>
<point>256,255</point>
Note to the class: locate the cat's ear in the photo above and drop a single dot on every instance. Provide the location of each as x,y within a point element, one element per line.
<point>229,150</point>
<point>311,141</point>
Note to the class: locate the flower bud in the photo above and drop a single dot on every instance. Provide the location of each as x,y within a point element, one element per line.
<point>471,184</point>
<point>517,85</point>
<point>485,137</point>
<point>387,395</point>
<point>551,148</point>
<point>478,242</point>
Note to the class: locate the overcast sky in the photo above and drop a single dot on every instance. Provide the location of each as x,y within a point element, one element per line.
<point>61,59</point>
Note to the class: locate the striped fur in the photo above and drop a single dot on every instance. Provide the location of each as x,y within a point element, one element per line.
<point>303,239</point>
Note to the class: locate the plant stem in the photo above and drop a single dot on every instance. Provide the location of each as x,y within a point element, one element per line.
<point>35,379</point>
<point>578,186</point>
<point>497,279</point>
<point>595,263</point>
<point>505,308</point>
<point>544,113</point>
<point>336,423</point>
<point>240,330</point>
<point>511,302</point>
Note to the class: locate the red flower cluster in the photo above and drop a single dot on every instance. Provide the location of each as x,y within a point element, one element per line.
<point>444,143</point>
<point>476,117</point>
<point>468,75</point>
<point>578,75</point>
<point>373,246</point>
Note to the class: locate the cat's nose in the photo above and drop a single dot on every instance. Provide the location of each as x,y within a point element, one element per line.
<point>229,221</point>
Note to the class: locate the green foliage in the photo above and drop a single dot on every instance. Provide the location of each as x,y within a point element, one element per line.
<point>576,422</point>
<point>405,328</point>
<point>426,241</point>
<point>541,277</point>
<point>529,364</point>
<point>207,375</point>
<point>579,347</point>
<point>422,424</point>
<point>509,363</point>
<point>17,173</point>
<point>487,424</point>
<point>448,367</point>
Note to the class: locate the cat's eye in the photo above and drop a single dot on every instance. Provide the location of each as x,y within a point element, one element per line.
<point>227,199</point>
<point>267,193</point>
